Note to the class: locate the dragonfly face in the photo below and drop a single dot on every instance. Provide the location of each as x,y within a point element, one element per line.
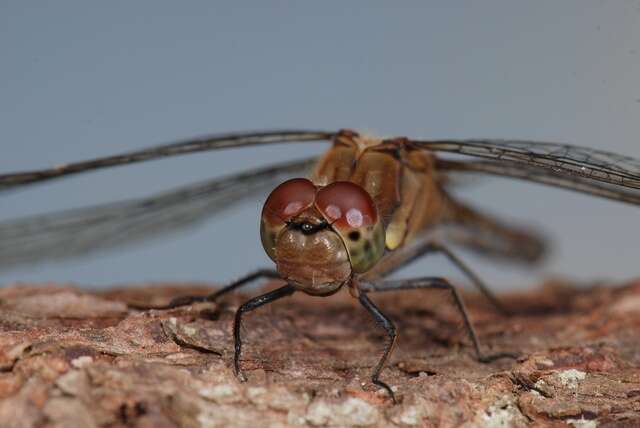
<point>320,236</point>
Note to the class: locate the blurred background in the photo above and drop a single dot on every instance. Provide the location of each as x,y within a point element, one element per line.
<point>85,79</point>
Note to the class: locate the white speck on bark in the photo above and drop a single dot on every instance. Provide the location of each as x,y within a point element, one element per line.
<point>571,378</point>
<point>352,412</point>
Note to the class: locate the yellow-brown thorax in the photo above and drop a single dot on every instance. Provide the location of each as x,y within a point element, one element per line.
<point>389,185</point>
<point>400,179</point>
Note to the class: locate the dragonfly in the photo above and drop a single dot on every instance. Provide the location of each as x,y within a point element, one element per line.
<point>367,207</point>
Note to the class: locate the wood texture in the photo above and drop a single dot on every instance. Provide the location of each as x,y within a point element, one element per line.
<point>73,358</point>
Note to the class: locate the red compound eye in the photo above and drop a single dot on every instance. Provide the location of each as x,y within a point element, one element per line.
<point>289,199</point>
<point>346,204</point>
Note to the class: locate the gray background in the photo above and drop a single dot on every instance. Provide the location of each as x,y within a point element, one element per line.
<point>83,79</point>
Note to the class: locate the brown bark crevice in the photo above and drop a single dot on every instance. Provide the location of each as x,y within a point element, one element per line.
<point>70,357</point>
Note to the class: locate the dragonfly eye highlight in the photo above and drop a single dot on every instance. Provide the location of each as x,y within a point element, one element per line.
<point>345,204</point>
<point>353,214</point>
<point>284,203</point>
<point>289,199</point>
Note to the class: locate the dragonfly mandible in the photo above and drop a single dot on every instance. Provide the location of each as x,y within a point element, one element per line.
<point>368,207</point>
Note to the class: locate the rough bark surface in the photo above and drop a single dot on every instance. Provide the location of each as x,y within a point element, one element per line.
<point>74,358</point>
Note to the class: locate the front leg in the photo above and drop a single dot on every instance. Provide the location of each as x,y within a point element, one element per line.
<point>241,282</point>
<point>250,305</point>
<point>390,329</point>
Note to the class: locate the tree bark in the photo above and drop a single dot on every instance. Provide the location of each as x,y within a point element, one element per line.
<point>77,358</point>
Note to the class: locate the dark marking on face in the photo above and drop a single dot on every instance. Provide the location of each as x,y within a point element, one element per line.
<point>354,236</point>
<point>309,228</point>
<point>367,247</point>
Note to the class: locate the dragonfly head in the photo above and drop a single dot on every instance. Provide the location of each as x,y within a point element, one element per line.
<point>320,236</point>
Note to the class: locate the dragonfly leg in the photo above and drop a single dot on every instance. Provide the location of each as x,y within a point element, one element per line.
<point>390,329</point>
<point>442,284</point>
<point>471,275</point>
<point>250,305</point>
<point>422,247</point>
<point>245,280</point>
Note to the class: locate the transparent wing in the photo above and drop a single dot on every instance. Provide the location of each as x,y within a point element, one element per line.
<point>77,232</point>
<point>579,168</point>
<point>211,142</point>
<point>577,183</point>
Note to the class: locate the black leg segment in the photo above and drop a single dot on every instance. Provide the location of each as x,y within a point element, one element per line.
<point>390,329</point>
<point>250,305</point>
<point>245,280</point>
<point>475,279</point>
<point>442,284</point>
<point>423,246</point>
